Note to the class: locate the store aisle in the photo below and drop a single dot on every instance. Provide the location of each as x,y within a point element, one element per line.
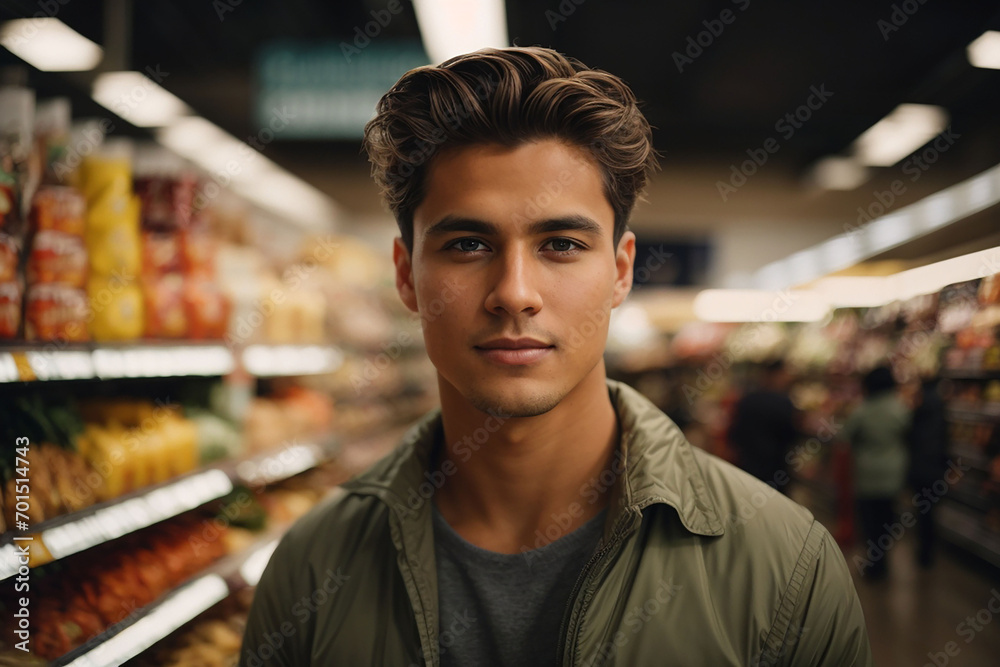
<point>917,616</point>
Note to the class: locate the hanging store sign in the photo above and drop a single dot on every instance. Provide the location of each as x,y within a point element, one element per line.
<point>328,91</point>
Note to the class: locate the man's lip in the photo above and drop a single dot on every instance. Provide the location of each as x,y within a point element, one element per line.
<point>513,344</point>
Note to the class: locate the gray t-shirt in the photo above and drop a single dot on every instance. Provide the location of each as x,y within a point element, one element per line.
<point>506,609</point>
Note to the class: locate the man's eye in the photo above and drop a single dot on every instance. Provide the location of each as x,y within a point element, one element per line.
<point>563,245</point>
<point>468,245</point>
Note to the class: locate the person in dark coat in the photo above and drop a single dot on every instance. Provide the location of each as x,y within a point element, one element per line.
<point>765,426</point>
<point>928,440</point>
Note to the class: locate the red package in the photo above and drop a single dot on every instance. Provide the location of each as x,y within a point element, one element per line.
<point>8,258</point>
<point>60,209</point>
<point>167,202</point>
<point>57,257</point>
<point>161,253</point>
<point>207,310</point>
<point>55,312</point>
<point>10,310</point>
<point>165,312</point>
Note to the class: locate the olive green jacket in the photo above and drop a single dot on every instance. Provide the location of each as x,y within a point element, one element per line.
<point>699,564</point>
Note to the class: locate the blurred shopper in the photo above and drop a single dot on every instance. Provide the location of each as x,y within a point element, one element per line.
<point>928,440</point>
<point>765,426</point>
<point>877,432</point>
<point>531,518</point>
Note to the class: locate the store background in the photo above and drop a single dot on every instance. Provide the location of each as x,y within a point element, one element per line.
<point>192,383</point>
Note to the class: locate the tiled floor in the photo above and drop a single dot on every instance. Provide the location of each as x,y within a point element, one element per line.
<point>917,616</point>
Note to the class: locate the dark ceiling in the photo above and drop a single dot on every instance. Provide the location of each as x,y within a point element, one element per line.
<point>760,66</point>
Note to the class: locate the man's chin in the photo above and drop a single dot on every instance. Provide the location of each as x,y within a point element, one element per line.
<point>513,402</point>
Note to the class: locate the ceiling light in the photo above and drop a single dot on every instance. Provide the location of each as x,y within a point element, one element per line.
<point>50,45</point>
<point>985,50</point>
<point>855,291</point>
<point>731,305</point>
<point>903,131</point>
<point>138,99</point>
<point>453,27</point>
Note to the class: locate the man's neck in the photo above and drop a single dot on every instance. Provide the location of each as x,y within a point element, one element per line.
<point>533,479</point>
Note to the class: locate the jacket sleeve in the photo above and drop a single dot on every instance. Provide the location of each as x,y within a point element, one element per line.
<point>275,634</point>
<point>826,627</point>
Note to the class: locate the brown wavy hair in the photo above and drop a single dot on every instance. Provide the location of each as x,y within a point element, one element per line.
<point>507,96</point>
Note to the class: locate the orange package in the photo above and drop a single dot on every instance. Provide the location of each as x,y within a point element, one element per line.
<point>10,309</point>
<point>60,209</point>
<point>55,312</point>
<point>166,316</point>
<point>57,257</point>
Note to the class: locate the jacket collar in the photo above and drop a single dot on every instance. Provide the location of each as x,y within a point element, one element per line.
<point>655,464</point>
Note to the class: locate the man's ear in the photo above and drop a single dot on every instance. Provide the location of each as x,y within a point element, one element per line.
<point>624,261</point>
<point>404,275</point>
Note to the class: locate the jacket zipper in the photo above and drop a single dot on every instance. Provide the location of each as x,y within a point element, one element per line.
<point>565,631</point>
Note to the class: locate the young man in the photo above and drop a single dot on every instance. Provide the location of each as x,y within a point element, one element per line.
<point>544,515</point>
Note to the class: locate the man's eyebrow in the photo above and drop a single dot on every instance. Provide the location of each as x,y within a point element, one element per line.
<point>451,223</point>
<point>578,223</point>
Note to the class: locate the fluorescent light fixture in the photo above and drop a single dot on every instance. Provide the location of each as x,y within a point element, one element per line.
<point>138,99</point>
<point>729,305</point>
<point>290,198</point>
<point>855,291</point>
<point>985,50</point>
<point>215,150</point>
<point>50,45</point>
<point>890,231</point>
<point>839,173</point>
<point>931,278</point>
<point>903,131</point>
<point>453,27</point>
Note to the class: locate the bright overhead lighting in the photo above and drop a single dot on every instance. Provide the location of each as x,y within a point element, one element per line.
<point>985,50</point>
<point>290,198</point>
<point>839,173</point>
<point>903,131</point>
<point>50,45</point>
<point>453,27</point>
<point>214,150</point>
<point>734,305</point>
<point>138,99</point>
<point>855,291</point>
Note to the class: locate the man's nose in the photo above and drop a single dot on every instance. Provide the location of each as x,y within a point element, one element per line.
<point>514,284</point>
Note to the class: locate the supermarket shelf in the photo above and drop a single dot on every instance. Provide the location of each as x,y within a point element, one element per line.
<point>164,616</point>
<point>92,361</point>
<point>970,374</point>
<point>288,360</point>
<point>964,528</point>
<point>973,414</point>
<point>71,533</point>
<point>969,455</point>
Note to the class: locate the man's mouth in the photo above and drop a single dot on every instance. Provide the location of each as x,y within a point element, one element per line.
<point>515,351</point>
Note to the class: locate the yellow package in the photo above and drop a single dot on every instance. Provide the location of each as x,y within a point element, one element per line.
<point>104,177</point>
<point>116,309</point>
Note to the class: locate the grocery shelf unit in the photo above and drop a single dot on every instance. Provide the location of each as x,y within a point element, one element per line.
<point>71,533</point>
<point>963,515</point>
<point>95,361</point>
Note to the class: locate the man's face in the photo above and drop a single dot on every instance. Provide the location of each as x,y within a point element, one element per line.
<point>514,272</point>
